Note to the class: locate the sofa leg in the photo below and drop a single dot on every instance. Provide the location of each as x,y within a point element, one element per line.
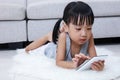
<point>14,46</point>
<point>17,45</point>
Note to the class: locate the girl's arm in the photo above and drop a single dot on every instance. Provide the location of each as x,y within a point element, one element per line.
<point>91,47</point>
<point>39,42</point>
<point>61,49</point>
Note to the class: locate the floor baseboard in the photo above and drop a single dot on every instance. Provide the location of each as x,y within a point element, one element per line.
<point>16,45</point>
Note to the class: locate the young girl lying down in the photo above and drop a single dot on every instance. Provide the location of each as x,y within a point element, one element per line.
<point>71,42</point>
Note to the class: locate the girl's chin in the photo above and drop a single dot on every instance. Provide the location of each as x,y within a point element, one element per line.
<point>82,42</point>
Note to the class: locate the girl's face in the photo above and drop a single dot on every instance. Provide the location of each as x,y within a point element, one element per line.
<point>79,34</point>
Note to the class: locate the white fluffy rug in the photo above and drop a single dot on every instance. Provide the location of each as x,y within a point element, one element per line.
<point>36,66</point>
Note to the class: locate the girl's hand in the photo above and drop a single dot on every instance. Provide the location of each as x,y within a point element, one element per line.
<point>79,59</point>
<point>62,29</point>
<point>98,66</point>
<point>26,51</point>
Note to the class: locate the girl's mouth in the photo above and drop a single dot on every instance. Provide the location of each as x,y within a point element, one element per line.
<point>82,40</point>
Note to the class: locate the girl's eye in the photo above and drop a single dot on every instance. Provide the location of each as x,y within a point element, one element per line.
<point>78,29</point>
<point>89,28</point>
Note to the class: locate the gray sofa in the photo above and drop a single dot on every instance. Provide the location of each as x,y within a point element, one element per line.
<point>27,20</point>
<point>12,23</point>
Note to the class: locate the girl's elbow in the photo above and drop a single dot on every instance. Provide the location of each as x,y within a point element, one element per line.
<point>58,63</point>
<point>27,49</point>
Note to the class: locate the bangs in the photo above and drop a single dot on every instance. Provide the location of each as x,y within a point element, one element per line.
<point>80,20</point>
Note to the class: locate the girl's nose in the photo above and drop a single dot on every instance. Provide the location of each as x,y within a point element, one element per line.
<point>84,33</point>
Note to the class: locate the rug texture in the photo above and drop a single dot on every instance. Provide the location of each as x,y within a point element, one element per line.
<point>36,66</point>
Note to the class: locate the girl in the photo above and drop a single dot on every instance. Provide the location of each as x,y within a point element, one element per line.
<point>71,42</point>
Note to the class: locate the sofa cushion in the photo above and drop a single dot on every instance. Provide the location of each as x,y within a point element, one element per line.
<point>45,9</point>
<point>12,31</point>
<point>102,28</point>
<point>106,27</point>
<point>12,9</point>
<point>39,28</point>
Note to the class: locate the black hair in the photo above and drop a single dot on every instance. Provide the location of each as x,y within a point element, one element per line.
<point>73,12</point>
<point>56,31</point>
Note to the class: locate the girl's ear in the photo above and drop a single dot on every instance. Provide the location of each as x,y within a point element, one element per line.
<point>65,27</point>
